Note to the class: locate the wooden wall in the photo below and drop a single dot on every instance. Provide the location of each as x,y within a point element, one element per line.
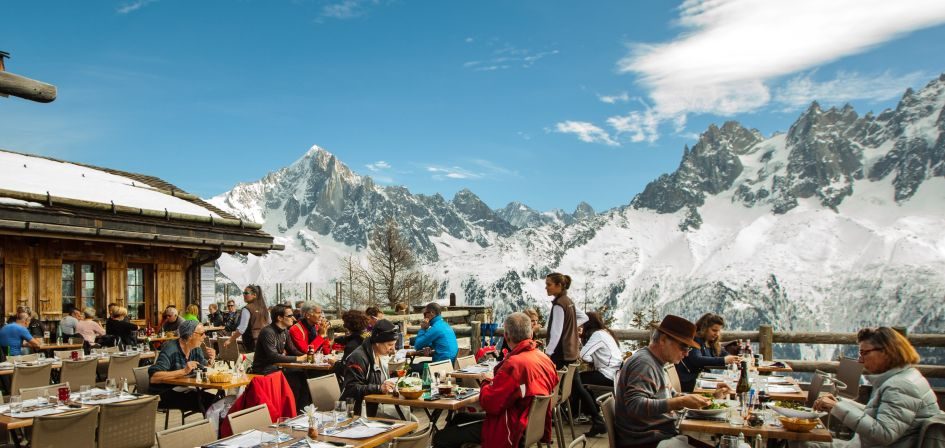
<point>32,272</point>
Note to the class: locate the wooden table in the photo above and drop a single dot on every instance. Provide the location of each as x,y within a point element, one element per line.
<point>306,366</point>
<point>818,434</point>
<point>206,384</point>
<point>432,408</point>
<point>767,369</point>
<point>368,442</point>
<point>58,364</point>
<point>209,329</point>
<point>49,347</point>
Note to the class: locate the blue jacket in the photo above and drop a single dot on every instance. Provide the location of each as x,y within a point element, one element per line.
<point>693,364</point>
<point>440,337</point>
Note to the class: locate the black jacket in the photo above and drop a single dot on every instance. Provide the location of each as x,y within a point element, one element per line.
<point>693,364</point>
<point>362,377</point>
<point>271,348</point>
<point>121,330</point>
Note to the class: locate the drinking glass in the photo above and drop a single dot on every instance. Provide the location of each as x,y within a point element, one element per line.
<point>729,442</point>
<point>16,403</point>
<point>84,392</point>
<point>111,385</point>
<point>349,402</point>
<point>42,356</point>
<point>341,410</point>
<point>52,396</point>
<point>282,427</point>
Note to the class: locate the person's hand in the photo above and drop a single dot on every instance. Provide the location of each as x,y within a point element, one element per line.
<point>209,353</point>
<point>190,366</point>
<point>301,358</point>
<point>825,403</point>
<point>387,387</point>
<point>425,324</point>
<point>722,390</point>
<point>323,328</point>
<point>427,351</point>
<point>732,359</point>
<point>227,342</point>
<point>692,401</point>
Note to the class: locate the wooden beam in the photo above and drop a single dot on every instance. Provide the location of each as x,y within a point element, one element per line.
<point>26,88</point>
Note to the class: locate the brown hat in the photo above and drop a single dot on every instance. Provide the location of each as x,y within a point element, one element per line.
<point>679,329</point>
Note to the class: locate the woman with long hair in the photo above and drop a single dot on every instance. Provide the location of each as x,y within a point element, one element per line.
<point>602,351</point>
<point>709,353</point>
<point>901,400</point>
<point>563,322</point>
<point>355,324</point>
<point>253,318</point>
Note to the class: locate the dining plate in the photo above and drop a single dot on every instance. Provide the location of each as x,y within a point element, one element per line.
<point>804,412</point>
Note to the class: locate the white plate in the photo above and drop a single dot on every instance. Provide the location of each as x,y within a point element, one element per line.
<point>796,413</point>
<point>708,412</point>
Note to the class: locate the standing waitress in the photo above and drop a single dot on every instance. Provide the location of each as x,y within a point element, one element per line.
<point>253,318</point>
<point>563,346</point>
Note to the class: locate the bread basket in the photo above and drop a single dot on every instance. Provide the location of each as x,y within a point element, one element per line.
<point>220,377</point>
<point>798,424</point>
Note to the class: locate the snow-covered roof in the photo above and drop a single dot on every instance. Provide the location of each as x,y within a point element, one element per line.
<point>38,175</point>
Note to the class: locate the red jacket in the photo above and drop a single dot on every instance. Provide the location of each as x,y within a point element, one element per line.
<point>506,402</point>
<point>273,390</point>
<point>299,335</point>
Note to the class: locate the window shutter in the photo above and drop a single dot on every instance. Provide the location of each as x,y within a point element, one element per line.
<point>50,288</point>
<point>170,286</point>
<point>116,283</point>
<point>18,284</point>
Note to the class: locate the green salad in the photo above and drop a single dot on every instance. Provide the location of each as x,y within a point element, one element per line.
<point>717,405</point>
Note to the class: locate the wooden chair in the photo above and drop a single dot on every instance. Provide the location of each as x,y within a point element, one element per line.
<point>256,417</point>
<point>78,373</point>
<point>563,402</point>
<point>324,391</point>
<point>420,439</point>
<point>29,393</point>
<point>229,354</point>
<point>72,429</point>
<point>537,415</point>
<point>606,403</point>
<point>128,424</point>
<point>932,434</point>
<point>674,378</point>
<point>187,436</point>
<point>29,376</point>
<point>123,367</point>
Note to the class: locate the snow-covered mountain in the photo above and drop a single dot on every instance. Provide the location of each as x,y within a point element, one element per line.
<point>837,223</point>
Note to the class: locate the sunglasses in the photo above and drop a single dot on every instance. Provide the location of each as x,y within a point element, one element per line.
<point>685,348</point>
<point>246,293</point>
<point>863,353</point>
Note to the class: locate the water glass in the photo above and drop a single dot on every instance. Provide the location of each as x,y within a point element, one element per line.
<point>42,356</point>
<point>52,396</point>
<point>349,403</point>
<point>341,410</point>
<point>282,427</point>
<point>84,392</point>
<point>729,442</point>
<point>111,385</point>
<point>16,403</point>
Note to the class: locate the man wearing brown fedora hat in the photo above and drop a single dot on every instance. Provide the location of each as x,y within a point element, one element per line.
<point>645,402</point>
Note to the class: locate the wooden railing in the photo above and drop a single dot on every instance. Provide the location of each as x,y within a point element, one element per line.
<point>465,324</point>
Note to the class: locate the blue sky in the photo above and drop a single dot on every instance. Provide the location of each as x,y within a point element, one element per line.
<point>547,103</point>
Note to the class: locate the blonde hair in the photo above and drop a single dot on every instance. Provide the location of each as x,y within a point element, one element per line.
<point>899,351</point>
<point>119,311</point>
<point>192,309</point>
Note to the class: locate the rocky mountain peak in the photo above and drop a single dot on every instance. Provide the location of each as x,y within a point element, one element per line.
<point>584,211</point>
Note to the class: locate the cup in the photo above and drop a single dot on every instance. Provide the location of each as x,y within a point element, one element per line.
<point>349,402</point>
<point>735,417</point>
<point>111,385</point>
<point>84,392</point>
<point>729,442</point>
<point>341,410</point>
<point>282,427</point>
<point>64,394</point>
<point>16,403</point>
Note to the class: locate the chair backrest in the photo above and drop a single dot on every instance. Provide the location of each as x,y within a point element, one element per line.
<point>674,378</point>
<point>442,367</point>
<point>816,383</point>
<point>324,391</point>
<point>394,366</point>
<point>23,358</point>
<point>30,376</point>
<point>187,436</point>
<point>128,424</point>
<point>567,382</point>
<point>849,373</point>
<point>932,434</point>
<point>142,380</point>
<point>111,349</point>
<point>420,439</point>
<point>123,367</point>
<point>29,393</point>
<point>79,373</point>
<point>606,403</point>
<point>256,417</point>
<point>537,414</point>
<point>72,429</point>
<point>64,354</point>
<point>465,361</point>
<point>230,353</point>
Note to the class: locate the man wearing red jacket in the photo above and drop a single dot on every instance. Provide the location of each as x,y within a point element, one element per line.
<point>311,330</point>
<point>507,395</point>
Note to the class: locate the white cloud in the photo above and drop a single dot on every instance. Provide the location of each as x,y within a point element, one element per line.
<point>378,166</point>
<point>347,9</point>
<point>731,48</point>
<point>507,57</point>
<point>454,172</point>
<point>133,6</point>
<point>641,126</point>
<point>586,132</point>
<point>621,97</point>
<point>800,91</point>
<point>470,40</point>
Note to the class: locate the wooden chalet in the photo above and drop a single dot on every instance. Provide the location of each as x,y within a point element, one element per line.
<point>64,241</point>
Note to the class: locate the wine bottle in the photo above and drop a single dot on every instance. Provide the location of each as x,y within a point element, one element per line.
<point>743,383</point>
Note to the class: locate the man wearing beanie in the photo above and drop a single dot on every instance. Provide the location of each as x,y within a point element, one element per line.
<point>364,373</point>
<point>178,358</point>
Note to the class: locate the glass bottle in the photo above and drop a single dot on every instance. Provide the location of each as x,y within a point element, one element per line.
<point>310,357</point>
<point>426,375</point>
<point>743,384</point>
<point>312,426</point>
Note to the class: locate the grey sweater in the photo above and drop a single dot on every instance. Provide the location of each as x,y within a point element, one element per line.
<point>642,401</point>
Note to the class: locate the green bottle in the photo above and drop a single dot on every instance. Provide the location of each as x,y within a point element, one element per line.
<point>426,375</point>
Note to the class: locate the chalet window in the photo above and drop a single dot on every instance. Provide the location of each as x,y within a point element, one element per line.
<point>80,284</point>
<point>136,292</point>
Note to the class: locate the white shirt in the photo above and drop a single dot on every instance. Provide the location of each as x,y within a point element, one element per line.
<point>602,350</point>
<point>557,326</point>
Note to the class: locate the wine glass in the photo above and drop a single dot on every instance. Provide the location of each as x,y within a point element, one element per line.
<point>341,410</point>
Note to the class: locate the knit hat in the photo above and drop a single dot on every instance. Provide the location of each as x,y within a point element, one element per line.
<point>383,331</point>
<point>186,328</point>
